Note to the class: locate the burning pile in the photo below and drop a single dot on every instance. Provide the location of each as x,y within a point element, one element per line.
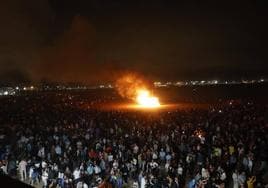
<point>135,88</point>
<point>145,99</point>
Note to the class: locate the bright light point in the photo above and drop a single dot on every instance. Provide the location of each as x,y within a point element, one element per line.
<point>144,99</point>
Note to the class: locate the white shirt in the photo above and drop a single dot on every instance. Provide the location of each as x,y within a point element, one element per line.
<point>168,157</point>
<point>60,175</point>
<point>180,170</point>
<point>143,182</point>
<point>41,152</point>
<point>45,175</point>
<point>58,150</point>
<point>134,161</point>
<point>241,179</point>
<point>97,169</point>
<point>37,165</point>
<point>154,165</point>
<point>204,173</point>
<point>235,180</point>
<point>135,149</point>
<point>31,172</point>
<point>223,176</point>
<point>81,185</point>
<point>44,164</point>
<point>250,164</point>
<point>4,168</point>
<point>115,165</point>
<point>162,155</point>
<point>85,185</point>
<point>76,174</point>
<point>110,158</point>
<point>22,165</point>
<point>155,156</point>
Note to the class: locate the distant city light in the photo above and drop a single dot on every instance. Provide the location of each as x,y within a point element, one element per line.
<point>5,91</point>
<point>157,84</point>
<point>179,83</point>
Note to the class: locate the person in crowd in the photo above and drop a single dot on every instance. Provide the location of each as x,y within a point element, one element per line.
<point>45,177</point>
<point>235,179</point>
<point>250,182</point>
<point>22,169</point>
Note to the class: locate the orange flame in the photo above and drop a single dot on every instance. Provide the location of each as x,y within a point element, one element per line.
<point>135,88</point>
<point>146,100</point>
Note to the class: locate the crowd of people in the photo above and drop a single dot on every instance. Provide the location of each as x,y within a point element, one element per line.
<point>52,140</point>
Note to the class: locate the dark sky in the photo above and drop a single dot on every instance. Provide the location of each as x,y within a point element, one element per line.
<point>93,41</point>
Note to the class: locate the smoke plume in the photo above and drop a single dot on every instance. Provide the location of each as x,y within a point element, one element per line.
<point>129,84</point>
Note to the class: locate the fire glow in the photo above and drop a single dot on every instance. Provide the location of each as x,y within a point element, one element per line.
<point>144,99</point>
<point>137,89</point>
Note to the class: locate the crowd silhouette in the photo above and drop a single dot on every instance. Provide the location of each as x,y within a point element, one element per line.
<point>52,140</point>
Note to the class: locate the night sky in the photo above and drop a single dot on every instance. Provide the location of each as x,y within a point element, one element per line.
<point>96,41</point>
